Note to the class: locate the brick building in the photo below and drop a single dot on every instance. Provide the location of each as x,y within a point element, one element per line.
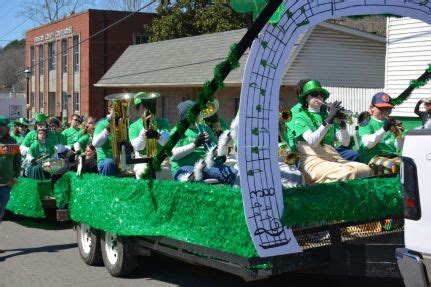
<point>63,83</point>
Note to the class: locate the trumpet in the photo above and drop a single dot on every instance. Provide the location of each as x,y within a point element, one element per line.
<point>398,129</point>
<point>149,122</point>
<point>344,114</point>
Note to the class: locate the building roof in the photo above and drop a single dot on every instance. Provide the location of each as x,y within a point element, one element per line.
<point>188,61</point>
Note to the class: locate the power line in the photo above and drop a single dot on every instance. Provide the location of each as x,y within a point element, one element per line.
<point>92,36</point>
<point>16,27</point>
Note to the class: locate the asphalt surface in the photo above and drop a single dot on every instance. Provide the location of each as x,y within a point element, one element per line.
<point>45,253</point>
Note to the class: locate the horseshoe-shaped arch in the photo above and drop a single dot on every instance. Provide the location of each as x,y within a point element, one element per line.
<point>259,104</point>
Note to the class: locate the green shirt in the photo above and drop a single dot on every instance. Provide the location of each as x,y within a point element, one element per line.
<point>31,137</point>
<point>105,151</point>
<point>72,135</point>
<point>386,146</point>
<point>59,138</point>
<point>18,138</point>
<point>39,149</point>
<point>138,125</point>
<point>302,123</point>
<point>10,160</point>
<point>197,154</point>
<point>84,140</point>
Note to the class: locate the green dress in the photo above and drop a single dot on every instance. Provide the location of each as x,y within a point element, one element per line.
<point>31,137</point>
<point>40,150</point>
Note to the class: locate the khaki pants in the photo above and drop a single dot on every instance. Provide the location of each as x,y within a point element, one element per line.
<point>324,164</point>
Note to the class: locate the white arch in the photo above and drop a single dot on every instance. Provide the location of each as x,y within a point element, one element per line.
<point>258,128</point>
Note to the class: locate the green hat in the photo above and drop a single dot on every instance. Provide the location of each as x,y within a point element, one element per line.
<point>39,118</point>
<point>4,121</point>
<point>312,87</point>
<point>22,121</point>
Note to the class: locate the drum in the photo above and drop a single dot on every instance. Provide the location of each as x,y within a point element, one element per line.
<point>53,165</point>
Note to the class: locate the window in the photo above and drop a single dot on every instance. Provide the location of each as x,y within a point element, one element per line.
<point>41,102</point>
<point>76,102</point>
<point>52,51</point>
<point>32,60</point>
<point>140,38</point>
<point>40,60</point>
<point>76,54</point>
<point>65,101</point>
<point>64,55</point>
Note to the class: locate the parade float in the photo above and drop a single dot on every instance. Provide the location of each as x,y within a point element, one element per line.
<point>259,229</point>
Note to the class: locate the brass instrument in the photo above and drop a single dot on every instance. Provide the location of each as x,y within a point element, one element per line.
<point>149,122</point>
<point>344,114</point>
<point>290,157</point>
<point>398,129</point>
<point>210,110</point>
<point>119,125</point>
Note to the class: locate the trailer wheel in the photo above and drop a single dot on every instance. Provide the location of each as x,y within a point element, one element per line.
<point>88,244</point>
<point>117,255</point>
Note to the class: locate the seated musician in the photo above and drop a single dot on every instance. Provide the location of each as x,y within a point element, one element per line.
<point>20,130</point>
<point>379,148</point>
<point>148,133</point>
<point>31,137</point>
<point>102,141</point>
<point>87,135</point>
<point>193,147</point>
<point>40,150</point>
<point>315,134</point>
<point>59,138</point>
<point>73,133</point>
<point>426,115</point>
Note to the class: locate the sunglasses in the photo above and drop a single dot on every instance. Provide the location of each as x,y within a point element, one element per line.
<point>315,95</point>
<point>77,120</point>
<point>384,108</point>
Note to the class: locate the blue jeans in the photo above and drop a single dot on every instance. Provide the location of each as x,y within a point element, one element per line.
<point>223,173</point>
<point>348,154</point>
<point>108,167</point>
<point>4,198</point>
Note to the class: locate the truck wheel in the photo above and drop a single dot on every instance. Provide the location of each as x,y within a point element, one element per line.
<point>117,255</point>
<point>88,244</point>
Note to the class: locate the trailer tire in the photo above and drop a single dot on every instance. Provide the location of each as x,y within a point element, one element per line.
<point>89,244</point>
<point>117,254</point>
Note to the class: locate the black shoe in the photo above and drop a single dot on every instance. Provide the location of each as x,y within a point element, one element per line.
<point>1,250</point>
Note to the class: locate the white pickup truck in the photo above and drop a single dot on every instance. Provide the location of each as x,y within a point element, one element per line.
<point>414,261</point>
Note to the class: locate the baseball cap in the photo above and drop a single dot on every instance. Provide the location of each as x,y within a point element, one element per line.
<point>382,100</point>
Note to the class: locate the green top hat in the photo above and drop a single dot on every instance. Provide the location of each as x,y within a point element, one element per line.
<point>4,121</point>
<point>22,121</point>
<point>39,118</point>
<point>313,86</point>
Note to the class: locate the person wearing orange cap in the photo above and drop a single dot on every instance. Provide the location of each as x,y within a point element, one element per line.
<point>379,148</point>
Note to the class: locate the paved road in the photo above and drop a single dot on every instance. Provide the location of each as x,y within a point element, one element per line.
<point>40,253</point>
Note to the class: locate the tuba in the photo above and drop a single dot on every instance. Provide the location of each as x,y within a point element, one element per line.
<point>210,110</point>
<point>150,123</point>
<point>290,157</point>
<point>119,125</point>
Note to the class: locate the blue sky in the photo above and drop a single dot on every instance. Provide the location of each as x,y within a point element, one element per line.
<point>13,26</point>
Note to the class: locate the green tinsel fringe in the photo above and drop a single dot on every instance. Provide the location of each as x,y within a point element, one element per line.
<point>414,84</point>
<point>357,200</point>
<point>25,197</point>
<point>62,190</point>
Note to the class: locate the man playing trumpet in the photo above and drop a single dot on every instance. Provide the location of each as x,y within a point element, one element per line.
<point>315,135</point>
<point>148,133</point>
<point>379,146</point>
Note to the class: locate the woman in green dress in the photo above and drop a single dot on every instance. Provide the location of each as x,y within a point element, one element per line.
<point>40,150</point>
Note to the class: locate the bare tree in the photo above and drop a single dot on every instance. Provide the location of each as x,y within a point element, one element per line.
<point>11,67</point>
<point>45,11</point>
<point>126,5</point>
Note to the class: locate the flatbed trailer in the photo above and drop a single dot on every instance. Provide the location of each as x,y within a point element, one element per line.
<point>337,249</point>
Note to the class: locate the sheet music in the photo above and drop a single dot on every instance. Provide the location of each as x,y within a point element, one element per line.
<point>258,128</point>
